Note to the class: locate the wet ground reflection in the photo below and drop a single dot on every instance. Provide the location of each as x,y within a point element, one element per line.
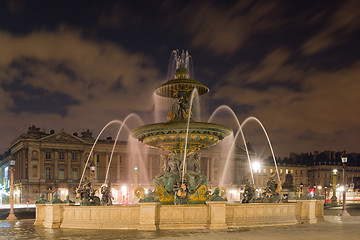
<point>25,229</point>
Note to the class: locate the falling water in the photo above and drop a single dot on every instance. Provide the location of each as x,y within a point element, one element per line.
<point>160,108</point>
<point>92,149</point>
<point>177,59</point>
<point>193,94</point>
<point>96,140</point>
<point>243,137</point>
<point>233,144</point>
<point>268,139</point>
<point>138,157</point>
<point>117,136</point>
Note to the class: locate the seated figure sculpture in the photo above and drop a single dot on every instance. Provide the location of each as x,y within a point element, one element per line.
<point>271,193</point>
<point>107,197</point>
<point>169,174</point>
<point>249,193</point>
<point>84,192</point>
<point>194,175</point>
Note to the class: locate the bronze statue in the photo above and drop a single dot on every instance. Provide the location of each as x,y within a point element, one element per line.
<point>107,196</point>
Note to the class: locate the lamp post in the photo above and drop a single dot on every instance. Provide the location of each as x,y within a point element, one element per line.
<point>136,177</point>
<point>92,172</point>
<point>256,166</point>
<point>344,212</point>
<point>333,198</point>
<point>12,169</point>
<point>325,194</point>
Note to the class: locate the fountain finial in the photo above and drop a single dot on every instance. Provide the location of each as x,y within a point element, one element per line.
<point>181,72</point>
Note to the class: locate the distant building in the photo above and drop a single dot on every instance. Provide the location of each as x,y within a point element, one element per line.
<point>320,166</point>
<point>54,162</point>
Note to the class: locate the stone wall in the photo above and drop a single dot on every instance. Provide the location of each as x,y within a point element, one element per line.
<point>261,214</point>
<point>152,216</point>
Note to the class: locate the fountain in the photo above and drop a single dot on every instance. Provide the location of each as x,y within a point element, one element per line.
<point>181,198</point>
<point>181,180</point>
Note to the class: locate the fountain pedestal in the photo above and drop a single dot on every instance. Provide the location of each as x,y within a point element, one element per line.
<point>148,219</point>
<point>217,212</point>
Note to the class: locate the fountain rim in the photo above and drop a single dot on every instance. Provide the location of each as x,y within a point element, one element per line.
<point>178,127</point>
<point>180,85</point>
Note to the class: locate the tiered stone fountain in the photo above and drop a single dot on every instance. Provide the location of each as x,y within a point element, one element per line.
<point>181,180</point>
<point>181,185</point>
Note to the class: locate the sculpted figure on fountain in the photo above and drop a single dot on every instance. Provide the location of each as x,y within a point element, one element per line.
<point>271,194</point>
<point>180,109</point>
<point>249,193</point>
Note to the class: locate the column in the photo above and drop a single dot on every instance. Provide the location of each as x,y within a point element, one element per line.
<point>41,168</point>
<point>56,165</point>
<point>118,165</point>
<point>69,167</point>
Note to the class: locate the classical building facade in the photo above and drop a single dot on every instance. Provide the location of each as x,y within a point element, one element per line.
<point>55,162</point>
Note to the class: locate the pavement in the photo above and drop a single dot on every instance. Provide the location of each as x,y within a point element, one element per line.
<point>334,227</point>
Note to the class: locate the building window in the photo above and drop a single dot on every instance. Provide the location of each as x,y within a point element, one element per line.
<point>61,173</point>
<point>291,171</point>
<point>47,173</point>
<point>281,171</point>
<point>74,156</point>
<point>48,155</point>
<point>271,170</point>
<point>300,172</point>
<point>74,173</point>
<point>61,155</point>
<point>97,158</point>
<point>264,170</point>
<point>287,171</point>
<point>296,172</point>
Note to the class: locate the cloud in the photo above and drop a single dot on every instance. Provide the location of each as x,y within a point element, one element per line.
<point>120,14</point>
<point>343,22</point>
<point>16,7</point>
<point>297,102</point>
<point>93,82</point>
<point>224,29</point>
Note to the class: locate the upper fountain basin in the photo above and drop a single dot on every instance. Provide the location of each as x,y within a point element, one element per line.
<point>170,87</point>
<point>170,136</point>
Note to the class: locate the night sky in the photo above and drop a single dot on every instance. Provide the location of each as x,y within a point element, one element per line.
<point>76,65</point>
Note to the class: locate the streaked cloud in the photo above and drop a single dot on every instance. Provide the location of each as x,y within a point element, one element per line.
<point>223,29</point>
<point>344,21</point>
<point>298,101</point>
<point>90,81</point>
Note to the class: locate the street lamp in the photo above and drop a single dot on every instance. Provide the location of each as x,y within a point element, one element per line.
<point>333,198</point>
<point>301,188</point>
<point>344,212</point>
<point>136,177</point>
<point>256,166</point>
<point>325,194</point>
<point>92,172</point>
<point>12,169</point>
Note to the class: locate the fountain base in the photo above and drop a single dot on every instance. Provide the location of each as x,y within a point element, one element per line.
<point>152,216</point>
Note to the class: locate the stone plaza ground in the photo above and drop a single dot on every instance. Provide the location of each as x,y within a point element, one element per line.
<point>333,227</point>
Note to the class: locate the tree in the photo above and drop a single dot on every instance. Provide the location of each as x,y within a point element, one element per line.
<point>289,183</point>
